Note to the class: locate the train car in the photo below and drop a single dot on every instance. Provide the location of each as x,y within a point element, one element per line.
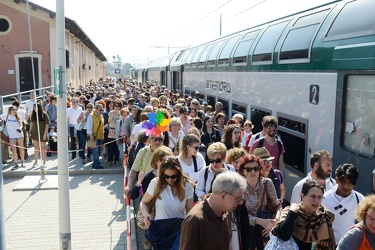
<point>158,71</point>
<point>313,70</point>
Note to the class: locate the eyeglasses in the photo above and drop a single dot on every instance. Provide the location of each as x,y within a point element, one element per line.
<point>315,197</point>
<point>218,160</point>
<point>237,132</point>
<point>157,139</point>
<point>173,177</point>
<point>267,161</point>
<point>239,199</point>
<point>14,109</point>
<point>271,126</point>
<point>256,169</point>
<point>196,148</point>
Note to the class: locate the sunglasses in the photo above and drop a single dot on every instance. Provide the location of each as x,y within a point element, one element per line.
<point>100,110</point>
<point>158,139</point>
<point>271,126</point>
<point>218,160</point>
<point>256,169</point>
<point>173,177</point>
<point>196,148</point>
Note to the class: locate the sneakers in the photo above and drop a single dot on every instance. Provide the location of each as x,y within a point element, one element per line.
<point>89,159</point>
<point>147,245</point>
<point>83,161</point>
<point>109,163</point>
<point>16,166</point>
<point>100,167</point>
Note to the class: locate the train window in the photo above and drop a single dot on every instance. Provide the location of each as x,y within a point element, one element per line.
<point>195,58</point>
<point>239,109</point>
<point>310,19</point>
<point>266,44</point>
<point>211,100</point>
<point>354,20</point>
<point>293,134</point>
<point>227,50</point>
<point>257,115</point>
<point>190,57</point>
<point>225,105</point>
<point>211,60</point>
<point>203,57</point>
<point>243,48</point>
<point>187,91</point>
<point>297,43</point>
<point>358,115</point>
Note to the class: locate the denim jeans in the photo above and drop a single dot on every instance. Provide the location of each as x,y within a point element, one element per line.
<point>96,153</point>
<point>113,153</point>
<point>73,133</point>
<point>176,243</point>
<point>82,142</point>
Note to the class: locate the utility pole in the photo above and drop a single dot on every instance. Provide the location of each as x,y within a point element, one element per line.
<point>62,144</point>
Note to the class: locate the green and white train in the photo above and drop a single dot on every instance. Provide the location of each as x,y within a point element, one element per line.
<point>313,70</point>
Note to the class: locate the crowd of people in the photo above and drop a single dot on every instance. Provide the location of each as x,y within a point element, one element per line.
<point>204,179</point>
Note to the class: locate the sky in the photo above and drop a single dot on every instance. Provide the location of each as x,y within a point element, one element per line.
<point>142,30</point>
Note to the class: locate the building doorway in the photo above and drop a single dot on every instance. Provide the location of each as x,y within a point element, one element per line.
<point>25,73</point>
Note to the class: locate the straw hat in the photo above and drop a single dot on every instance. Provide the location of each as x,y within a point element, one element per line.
<point>263,154</point>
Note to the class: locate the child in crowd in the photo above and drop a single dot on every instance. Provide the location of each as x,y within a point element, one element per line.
<point>247,134</point>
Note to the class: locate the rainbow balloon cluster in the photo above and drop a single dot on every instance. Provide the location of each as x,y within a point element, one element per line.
<point>156,124</point>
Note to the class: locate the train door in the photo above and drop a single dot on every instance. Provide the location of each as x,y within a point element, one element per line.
<point>354,140</point>
<point>225,106</point>
<point>162,78</point>
<point>211,100</point>
<point>257,115</point>
<point>240,108</point>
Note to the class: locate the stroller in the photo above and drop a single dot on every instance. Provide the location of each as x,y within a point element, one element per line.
<point>52,140</point>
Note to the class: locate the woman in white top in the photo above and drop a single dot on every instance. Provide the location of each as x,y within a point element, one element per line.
<point>189,149</point>
<point>15,134</point>
<point>172,192</point>
<point>82,134</point>
<point>175,134</point>
<point>136,129</point>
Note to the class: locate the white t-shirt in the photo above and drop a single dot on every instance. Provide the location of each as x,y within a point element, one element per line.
<point>169,206</point>
<point>337,205</point>
<point>29,105</point>
<point>73,115</point>
<point>22,114</point>
<point>135,132</point>
<point>12,125</point>
<point>189,169</point>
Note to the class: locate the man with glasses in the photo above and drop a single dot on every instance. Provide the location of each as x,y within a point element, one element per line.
<point>142,101</point>
<point>321,169</point>
<point>216,153</point>
<point>95,129</point>
<point>72,114</point>
<point>143,159</point>
<point>274,146</point>
<point>208,224</point>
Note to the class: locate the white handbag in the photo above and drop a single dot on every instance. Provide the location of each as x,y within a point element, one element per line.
<point>276,243</point>
<point>79,126</point>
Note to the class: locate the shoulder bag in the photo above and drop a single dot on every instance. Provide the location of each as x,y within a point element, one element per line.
<point>89,143</point>
<point>4,133</point>
<point>151,209</point>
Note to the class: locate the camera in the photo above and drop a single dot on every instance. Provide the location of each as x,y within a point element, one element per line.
<point>19,130</point>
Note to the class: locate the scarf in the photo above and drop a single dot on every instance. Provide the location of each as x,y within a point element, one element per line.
<point>316,227</point>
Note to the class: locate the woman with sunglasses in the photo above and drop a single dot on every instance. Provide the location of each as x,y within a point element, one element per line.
<point>173,194</point>
<point>14,128</point>
<point>216,153</point>
<point>308,222</point>
<point>190,159</point>
<point>260,195</point>
<point>232,137</point>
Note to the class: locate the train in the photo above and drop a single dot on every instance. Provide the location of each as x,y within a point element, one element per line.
<point>313,70</point>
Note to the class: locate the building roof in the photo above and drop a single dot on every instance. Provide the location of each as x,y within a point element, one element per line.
<point>73,27</point>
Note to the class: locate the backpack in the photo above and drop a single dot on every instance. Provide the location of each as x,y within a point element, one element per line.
<point>279,146</point>
<point>365,245</point>
<point>206,176</point>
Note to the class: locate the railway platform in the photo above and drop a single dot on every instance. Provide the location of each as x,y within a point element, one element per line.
<point>97,210</point>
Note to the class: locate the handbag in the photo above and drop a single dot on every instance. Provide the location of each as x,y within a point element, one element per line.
<point>112,133</point>
<point>264,214</point>
<point>141,218</point>
<point>4,133</point>
<point>276,243</point>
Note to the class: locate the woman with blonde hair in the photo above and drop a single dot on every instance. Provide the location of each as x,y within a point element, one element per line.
<point>175,134</point>
<point>234,155</point>
<point>172,194</point>
<point>362,235</point>
<point>13,124</point>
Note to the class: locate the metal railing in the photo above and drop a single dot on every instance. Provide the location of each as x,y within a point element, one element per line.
<point>24,96</point>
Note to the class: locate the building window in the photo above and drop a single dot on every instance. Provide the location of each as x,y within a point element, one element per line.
<point>5,25</point>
